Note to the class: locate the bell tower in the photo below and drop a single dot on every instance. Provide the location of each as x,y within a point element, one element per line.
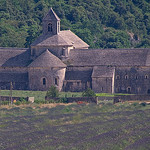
<point>51,23</point>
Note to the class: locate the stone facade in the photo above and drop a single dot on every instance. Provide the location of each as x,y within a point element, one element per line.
<point>62,59</point>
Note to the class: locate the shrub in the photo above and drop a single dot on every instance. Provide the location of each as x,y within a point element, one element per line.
<point>52,92</point>
<point>143,104</point>
<point>63,100</point>
<point>88,93</point>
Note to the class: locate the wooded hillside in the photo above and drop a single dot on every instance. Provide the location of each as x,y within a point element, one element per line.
<point>100,23</point>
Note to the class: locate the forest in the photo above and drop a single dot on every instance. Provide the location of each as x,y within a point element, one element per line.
<point>100,23</point>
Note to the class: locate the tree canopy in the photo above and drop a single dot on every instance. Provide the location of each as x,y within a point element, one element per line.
<point>100,23</point>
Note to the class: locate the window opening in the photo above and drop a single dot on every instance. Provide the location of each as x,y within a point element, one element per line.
<point>56,81</point>
<point>146,76</point>
<point>126,77</point>
<point>44,81</point>
<point>117,77</point>
<point>129,90</point>
<point>49,27</point>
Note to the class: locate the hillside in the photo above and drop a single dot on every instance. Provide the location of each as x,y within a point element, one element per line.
<point>100,23</point>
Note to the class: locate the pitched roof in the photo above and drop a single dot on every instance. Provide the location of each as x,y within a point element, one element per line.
<point>113,57</point>
<point>103,71</point>
<point>63,38</point>
<point>47,60</point>
<point>14,57</point>
<point>14,77</point>
<point>83,75</point>
<point>51,15</point>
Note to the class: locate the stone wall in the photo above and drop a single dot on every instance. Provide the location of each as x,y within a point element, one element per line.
<point>36,76</point>
<point>134,80</point>
<point>102,85</point>
<point>75,99</point>
<point>123,98</point>
<point>7,98</point>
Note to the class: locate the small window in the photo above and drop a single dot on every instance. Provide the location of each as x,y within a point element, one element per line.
<point>50,27</point>
<point>56,81</point>
<point>146,76</point>
<point>126,77</point>
<point>63,51</point>
<point>128,89</point>
<point>44,81</point>
<point>136,77</point>
<point>117,77</point>
<point>102,89</point>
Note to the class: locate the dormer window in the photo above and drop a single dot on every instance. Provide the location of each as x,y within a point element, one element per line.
<point>50,27</point>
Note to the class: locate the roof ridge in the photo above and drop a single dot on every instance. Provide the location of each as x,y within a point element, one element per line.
<point>51,11</point>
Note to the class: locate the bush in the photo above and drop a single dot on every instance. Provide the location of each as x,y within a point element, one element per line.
<point>52,92</point>
<point>143,104</point>
<point>88,93</point>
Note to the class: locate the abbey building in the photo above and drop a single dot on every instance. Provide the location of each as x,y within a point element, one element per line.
<point>62,59</point>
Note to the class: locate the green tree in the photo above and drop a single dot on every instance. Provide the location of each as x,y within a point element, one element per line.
<point>52,92</point>
<point>88,93</point>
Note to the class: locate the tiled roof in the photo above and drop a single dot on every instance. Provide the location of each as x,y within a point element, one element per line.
<point>113,57</point>
<point>103,71</point>
<point>83,75</point>
<point>47,60</point>
<point>63,38</point>
<point>14,57</point>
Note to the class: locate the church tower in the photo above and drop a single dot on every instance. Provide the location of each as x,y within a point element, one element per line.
<point>51,23</point>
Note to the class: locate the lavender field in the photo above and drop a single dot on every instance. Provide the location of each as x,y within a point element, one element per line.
<point>76,127</point>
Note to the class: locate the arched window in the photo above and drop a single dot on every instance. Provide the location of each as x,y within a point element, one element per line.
<point>44,81</point>
<point>128,89</point>
<point>126,77</point>
<point>117,77</point>
<point>146,76</point>
<point>50,27</point>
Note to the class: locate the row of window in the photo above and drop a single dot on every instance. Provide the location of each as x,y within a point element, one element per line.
<point>127,77</point>
<point>56,81</point>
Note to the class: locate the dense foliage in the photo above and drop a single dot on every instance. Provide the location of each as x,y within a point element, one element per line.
<point>100,23</point>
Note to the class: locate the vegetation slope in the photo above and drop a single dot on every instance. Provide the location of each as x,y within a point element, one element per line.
<point>101,23</point>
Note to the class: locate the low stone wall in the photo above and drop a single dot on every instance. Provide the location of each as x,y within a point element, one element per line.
<point>105,98</point>
<point>75,99</point>
<point>123,98</point>
<point>7,98</point>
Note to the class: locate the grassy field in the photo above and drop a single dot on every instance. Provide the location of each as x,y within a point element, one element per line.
<point>123,126</point>
<point>39,95</point>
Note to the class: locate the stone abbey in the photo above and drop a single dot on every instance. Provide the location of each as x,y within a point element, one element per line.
<point>62,59</point>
